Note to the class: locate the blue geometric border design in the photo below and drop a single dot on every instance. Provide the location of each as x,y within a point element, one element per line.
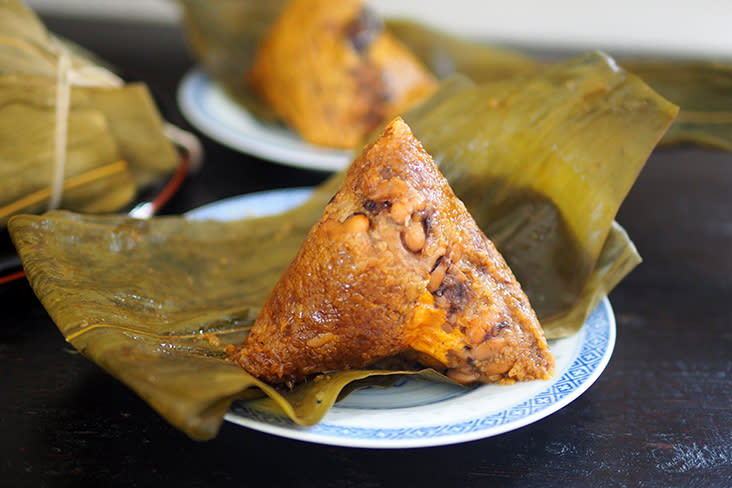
<point>594,354</point>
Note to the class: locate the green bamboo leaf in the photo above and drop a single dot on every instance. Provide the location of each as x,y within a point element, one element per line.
<point>446,54</point>
<point>543,163</point>
<point>702,89</point>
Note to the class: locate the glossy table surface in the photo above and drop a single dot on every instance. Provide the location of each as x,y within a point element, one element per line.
<point>660,415</point>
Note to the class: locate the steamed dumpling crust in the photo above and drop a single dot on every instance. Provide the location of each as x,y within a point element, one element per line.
<point>397,267</point>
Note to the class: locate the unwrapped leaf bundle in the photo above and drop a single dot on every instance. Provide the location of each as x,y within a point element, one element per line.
<point>114,142</point>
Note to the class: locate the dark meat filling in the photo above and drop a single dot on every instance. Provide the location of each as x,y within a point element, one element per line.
<point>363,30</point>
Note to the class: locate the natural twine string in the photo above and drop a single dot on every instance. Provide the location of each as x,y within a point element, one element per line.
<point>66,78</point>
<point>63,99</point>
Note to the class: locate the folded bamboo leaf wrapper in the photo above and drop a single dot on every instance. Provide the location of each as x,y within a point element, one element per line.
<point>445,54</point>
<point>154,302</point>
<point>544,161</point>
<point>702,89</point>
<point>115,138</point>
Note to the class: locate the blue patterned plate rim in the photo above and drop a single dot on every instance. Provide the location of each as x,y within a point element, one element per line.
<point>206,105</point>
<point>421,414</point>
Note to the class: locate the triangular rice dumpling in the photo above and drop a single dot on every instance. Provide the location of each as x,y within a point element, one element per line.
<point>396,267</point>
<point>332,73</point>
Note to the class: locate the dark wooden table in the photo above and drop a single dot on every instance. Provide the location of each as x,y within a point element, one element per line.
<point>660,415</point>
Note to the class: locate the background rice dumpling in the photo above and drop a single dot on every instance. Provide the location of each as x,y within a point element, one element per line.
<point>330,71</point>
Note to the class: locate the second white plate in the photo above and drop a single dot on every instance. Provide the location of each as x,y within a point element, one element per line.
<point>210,109</point>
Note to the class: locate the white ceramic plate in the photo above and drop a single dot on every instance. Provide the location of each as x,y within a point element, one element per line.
<point>417,413</point>
<point>205,104</point>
